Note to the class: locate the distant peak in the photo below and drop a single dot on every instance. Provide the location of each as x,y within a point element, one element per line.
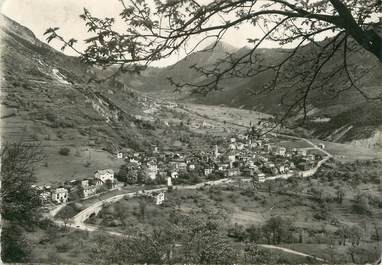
<point>222,46</point>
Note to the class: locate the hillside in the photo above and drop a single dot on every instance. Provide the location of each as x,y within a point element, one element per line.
<point>47,101</point>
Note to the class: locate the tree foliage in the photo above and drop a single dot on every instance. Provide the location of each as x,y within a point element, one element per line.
<point>187,240</point>
<point>19,202</point>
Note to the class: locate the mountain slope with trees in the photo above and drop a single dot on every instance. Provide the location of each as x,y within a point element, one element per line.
<point>335,43</point>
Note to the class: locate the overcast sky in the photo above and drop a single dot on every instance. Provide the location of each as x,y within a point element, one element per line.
<point>38,15</point>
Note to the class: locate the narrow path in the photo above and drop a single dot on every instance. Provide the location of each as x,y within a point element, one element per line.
<point>291,251</point>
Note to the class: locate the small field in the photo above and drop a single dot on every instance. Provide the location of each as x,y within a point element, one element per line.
<point>80,162</point>
<point>349,152</point>
<point>289,143</point>
<point>226,114</point>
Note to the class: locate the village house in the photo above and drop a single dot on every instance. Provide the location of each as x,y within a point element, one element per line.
<point>231,156</point>
<point>304,166</point>
<point>170,105</point>
<point>222,166</point>
<point>191,167</point>
<point>158,197</point>
<point>231,172</point>
<point>60,195</point>
<point>155,149</point>
<point>174,174</point>
<point>301,152</point>
<point>98,183</point>
<point>258,174</point>
<point>169,182</point>
<point>87,188</point>
<point>281,151</point>
<point>292,165</point>
<point>282,169</point>
<point>311,157</point>
<point>208,171</point>
<point>151,173</point>
<point>179,164</point>
<point>104,175</point>
<point>135,161</point>
<point>252,145</point>
<point>152,165</point>
<point>44,194</point>
<point>72,182</point>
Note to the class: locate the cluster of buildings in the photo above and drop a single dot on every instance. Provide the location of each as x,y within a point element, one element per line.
<point>71,190</point>
<point>239,155</point>
<point>152,106</point>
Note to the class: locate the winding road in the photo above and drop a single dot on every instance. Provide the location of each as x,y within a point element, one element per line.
<point>78,221</point>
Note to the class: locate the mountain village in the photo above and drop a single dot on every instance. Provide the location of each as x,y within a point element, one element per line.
<point>243,156</point>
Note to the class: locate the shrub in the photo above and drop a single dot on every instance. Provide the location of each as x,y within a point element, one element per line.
<point>64,151</point>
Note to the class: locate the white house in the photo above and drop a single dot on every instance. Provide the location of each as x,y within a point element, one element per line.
<point>60,195</point>
<point>158,198</point>
<point>169,182</point>
<point>174,174</point>
<point>301,152</point>
<point>43,193</point>
<point>104,175</point>
<point>87,188</point>
<point>152,166</point>
<point>151,174</point>
<point>120,155</point>
<point>89,191</point>
<point>222,166</point>
<point>231,157</point>
<point>281,151</point>
<point>208,171</point>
